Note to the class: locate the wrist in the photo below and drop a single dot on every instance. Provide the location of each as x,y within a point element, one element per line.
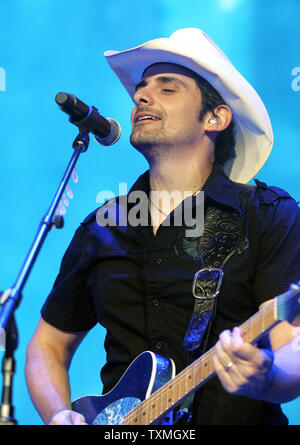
<point>52,417</point>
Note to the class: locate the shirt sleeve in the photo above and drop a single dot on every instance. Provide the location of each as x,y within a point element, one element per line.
<point>278,251</point>
<point>69,306</point>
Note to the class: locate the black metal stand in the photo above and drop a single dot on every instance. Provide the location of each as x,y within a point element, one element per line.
<point>7,321</point>
<point>8,371</point>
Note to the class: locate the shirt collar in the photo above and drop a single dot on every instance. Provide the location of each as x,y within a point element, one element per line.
<point>217,187</point>
<point>221,189</point>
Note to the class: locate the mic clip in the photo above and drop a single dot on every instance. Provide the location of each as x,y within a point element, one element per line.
<point>82,140</point>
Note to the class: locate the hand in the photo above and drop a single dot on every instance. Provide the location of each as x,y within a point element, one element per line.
<point>242,368</point>
<point>67,417</point>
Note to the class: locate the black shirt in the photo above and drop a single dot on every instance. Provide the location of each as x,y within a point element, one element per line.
<point>139,286</point>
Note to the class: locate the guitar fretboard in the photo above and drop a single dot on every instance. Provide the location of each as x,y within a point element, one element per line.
<point>195,375</point>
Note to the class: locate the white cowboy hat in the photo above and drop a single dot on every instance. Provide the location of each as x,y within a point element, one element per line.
<point>193,49</point>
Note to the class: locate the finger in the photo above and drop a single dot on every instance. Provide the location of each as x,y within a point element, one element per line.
<point>225,342</point>
<point>224,348</point>
<point>259,359</point>
<point>248,353</point>
<point>77,419</point>
<point>224,358</point>
<point>225,351</point>
<point>225,338</point>
<point>224,376</point>
<point>240,348</point>
<point>243,350</point>
<point>232,379</point>
<point>236,338</point>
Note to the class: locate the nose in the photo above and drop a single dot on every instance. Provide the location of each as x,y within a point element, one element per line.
<point>144,96</point>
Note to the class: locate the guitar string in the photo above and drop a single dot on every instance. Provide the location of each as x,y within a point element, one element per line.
<point>162,392</point>
<point>178,380</point>
<point>181,378</point>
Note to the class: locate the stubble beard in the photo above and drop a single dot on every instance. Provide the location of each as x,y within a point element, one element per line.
<point>150,142</point>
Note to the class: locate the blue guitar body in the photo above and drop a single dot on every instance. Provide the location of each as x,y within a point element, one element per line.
<point>147,373</point>
<point>151,373</point>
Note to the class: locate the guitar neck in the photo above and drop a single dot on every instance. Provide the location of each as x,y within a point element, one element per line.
<point>199,372</point>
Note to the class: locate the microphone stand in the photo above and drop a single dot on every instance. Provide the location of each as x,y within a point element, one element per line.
<point>10,300</point>
<point>8,370</point>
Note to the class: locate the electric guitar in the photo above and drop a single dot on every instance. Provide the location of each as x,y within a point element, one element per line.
<point>149,389</point>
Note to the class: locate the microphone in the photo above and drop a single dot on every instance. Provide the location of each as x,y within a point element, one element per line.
<point>106,131</point>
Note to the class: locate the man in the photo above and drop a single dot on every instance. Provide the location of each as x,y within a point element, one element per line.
<point>190,105</point>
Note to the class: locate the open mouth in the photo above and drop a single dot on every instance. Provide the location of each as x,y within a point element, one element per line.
<point>145,117</point>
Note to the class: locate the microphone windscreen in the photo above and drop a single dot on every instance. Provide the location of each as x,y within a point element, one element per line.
<point>113,136</point>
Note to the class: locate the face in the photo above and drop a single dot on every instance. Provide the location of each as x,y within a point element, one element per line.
<point>166,112</point>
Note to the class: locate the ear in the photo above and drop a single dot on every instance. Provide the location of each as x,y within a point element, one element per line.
<point>218,120</point>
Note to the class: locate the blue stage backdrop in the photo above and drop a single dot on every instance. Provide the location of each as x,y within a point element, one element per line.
<point>47,46</point>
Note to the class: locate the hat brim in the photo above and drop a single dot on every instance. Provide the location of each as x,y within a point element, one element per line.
<point>253,130</point>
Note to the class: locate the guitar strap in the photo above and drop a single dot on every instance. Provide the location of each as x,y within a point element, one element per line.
<point>225,233</point>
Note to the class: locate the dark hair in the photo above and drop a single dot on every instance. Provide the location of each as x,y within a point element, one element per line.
<point>225,140</point>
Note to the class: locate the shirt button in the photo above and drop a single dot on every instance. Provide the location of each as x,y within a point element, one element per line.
<point>158,346</point>
<point>158,261</point>
<point>156,302</point>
